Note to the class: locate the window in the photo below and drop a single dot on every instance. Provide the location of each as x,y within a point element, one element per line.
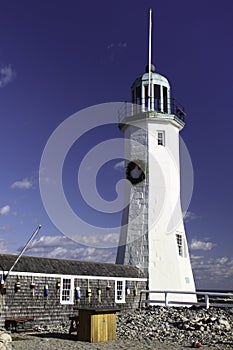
<point>138,94</point>
<point>67,288</point>
<point>161,138</point>
<point>146,101</point>
<point>179,240</point>
<point>157,97</point>
<point>120,291</point>
<point>165,105</point>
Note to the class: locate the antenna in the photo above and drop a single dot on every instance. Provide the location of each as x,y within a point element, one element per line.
<point>149,69</point>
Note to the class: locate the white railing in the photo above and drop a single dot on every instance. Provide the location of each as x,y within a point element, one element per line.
<point>167,301</point>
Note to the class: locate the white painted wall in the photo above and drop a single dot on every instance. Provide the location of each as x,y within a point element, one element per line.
<point>167,269</point>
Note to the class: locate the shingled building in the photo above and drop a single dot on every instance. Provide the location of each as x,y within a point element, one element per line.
<point>50,290</point>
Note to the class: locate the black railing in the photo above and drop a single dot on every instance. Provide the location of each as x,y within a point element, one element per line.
<point>141,106</point>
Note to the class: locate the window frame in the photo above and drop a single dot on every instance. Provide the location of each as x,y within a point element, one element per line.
<point>161,139</point>
<point>71,290</point>
<point>180,244</point>
<point>122,300</point>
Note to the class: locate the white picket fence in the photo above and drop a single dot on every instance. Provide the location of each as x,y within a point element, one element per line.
<point>167,301</point>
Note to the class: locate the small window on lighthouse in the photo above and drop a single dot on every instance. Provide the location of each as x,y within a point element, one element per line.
<point>179,240</point>
<point>161,138</point>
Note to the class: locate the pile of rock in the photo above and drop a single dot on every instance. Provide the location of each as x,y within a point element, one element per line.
<point>59,327</point>
<point>178,325</point>
<point>5,341</point>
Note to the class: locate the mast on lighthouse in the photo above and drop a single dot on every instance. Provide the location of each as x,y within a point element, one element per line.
<point>152,234</point>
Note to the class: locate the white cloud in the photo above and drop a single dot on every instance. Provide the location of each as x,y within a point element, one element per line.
<point>190,216</point>
<point>201,245</point>
<point>61,247</point>
<point>4,210</point>
<point>222,260</point>
<point>196,257</point>
<point>116,51</point>
<point>3,246</point>
<point>24,184</point>
<point>120,44</point>
<point>6,75</point>
<point>213,273</point>
<point>99,240</point>
<point>209,273</point>
<point>4,228</point>
<point>120,165</point>
<point>51,241</point>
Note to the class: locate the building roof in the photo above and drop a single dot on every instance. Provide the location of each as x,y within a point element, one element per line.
<point>67,267</point>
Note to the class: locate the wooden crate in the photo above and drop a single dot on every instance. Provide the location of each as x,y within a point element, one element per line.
<point>96,325</point>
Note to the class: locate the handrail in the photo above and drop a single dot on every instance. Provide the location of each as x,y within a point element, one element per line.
<point>129,109</point>
<point>168,302</point>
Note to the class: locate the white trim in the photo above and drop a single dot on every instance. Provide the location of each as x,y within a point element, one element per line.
<point>122,300</point>
<point>71,296</point>
<point>55,275</point>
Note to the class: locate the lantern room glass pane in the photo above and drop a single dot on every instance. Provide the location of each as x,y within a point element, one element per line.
<point>165,102</point>
<point>157,97</point>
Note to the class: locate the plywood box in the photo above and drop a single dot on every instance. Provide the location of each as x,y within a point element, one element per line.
<point>96,325</point>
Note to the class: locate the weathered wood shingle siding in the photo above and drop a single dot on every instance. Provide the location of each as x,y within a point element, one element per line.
<point>44,271</point>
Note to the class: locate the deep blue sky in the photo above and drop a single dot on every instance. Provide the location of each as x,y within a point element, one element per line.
<point>58,57</point>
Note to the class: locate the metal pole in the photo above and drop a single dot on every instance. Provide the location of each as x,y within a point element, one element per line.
<point>25,247</point>
<point>149,70</point>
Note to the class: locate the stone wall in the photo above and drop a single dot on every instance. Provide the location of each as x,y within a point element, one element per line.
<point>133,247</point>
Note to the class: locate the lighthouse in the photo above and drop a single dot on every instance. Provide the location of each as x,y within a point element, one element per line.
<point>152,233</point>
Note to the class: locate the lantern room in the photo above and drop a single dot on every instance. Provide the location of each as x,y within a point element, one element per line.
<point>151,91</point>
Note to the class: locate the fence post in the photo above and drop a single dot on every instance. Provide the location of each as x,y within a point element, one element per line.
<point>207,301</point>
<point>166,299</point>
<point>140,300</point>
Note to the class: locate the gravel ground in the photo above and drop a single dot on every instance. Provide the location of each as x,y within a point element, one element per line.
<point>155,328</point>
<point>48,341</point>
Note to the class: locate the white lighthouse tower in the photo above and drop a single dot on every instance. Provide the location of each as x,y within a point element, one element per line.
<point>153,235</point>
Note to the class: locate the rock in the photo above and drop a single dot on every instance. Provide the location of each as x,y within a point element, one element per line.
<point>177,325</point>
<point>212,319</point>
<point>225,324</point>
<point>5,341</point>
<point>5,337</point>
<point>2,346</point>
<point>181,326</point>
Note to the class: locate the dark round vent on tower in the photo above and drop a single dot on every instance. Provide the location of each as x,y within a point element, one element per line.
<point>152,68</point>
